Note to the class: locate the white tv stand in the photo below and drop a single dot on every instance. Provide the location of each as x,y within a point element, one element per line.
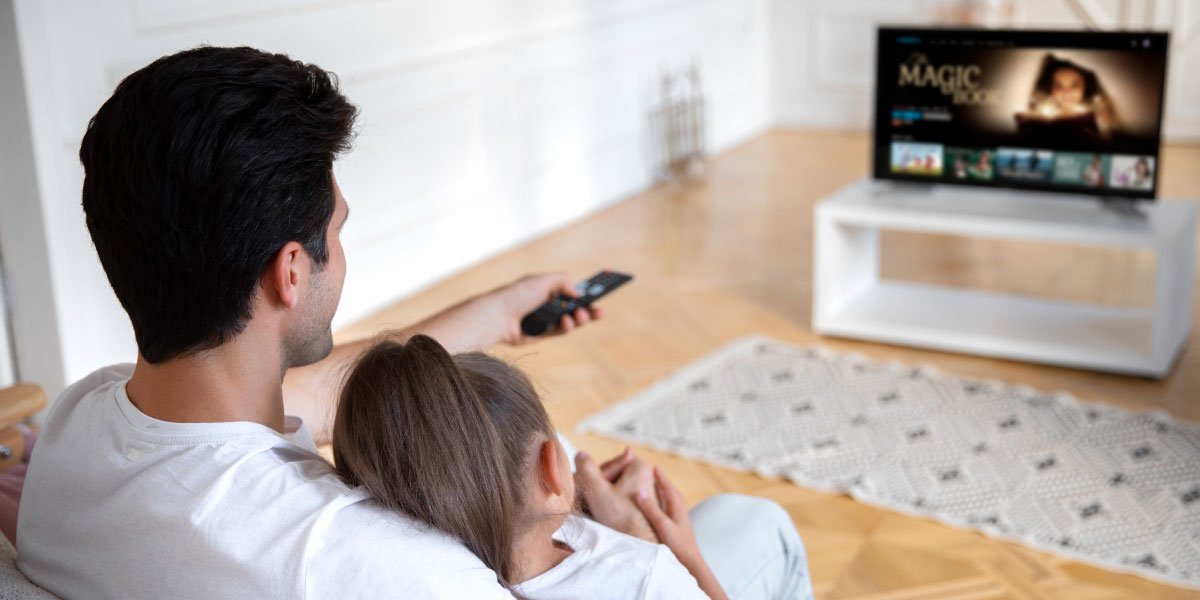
<point>851,300</point>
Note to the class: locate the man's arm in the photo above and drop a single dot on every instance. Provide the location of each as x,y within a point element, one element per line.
<point>494,317</point>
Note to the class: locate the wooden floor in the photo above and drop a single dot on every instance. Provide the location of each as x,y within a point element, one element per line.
<point>731,256</point>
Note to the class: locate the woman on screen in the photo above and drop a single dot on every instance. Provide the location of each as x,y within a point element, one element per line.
<point>1142,175</point>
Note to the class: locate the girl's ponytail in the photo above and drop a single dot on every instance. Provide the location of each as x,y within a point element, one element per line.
<point>413,431</point>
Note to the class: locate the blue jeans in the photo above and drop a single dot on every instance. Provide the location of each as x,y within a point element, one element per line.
<point>750,543</point>
<point>752,547</point>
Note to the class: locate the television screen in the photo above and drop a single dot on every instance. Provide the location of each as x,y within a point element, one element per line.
<point>1064,111</point>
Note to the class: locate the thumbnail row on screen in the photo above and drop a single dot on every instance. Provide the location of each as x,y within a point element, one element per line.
<point>1074,169</point>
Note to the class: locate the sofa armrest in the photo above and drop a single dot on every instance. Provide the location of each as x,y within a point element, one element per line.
<point>16,404</point>
<point>20,402</point>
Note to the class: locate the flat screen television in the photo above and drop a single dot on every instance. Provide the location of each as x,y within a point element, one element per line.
<point>1063,111</point>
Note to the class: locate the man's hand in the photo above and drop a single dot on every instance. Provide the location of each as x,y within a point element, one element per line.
<point>527,293</point>
<point>495,317</point>
<point>609,490</point>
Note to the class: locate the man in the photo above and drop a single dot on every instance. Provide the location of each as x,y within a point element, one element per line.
<point>210,199</point>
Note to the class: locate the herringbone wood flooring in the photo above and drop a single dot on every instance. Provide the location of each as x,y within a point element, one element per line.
<point>731,256</point>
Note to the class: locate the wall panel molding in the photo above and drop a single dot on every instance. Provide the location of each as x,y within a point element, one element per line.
<point>483,123</point>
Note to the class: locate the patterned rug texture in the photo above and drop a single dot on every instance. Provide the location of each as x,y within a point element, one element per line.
<point>1113,488</point>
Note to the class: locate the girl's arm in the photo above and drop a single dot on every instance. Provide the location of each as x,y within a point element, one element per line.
<point>674,529</point>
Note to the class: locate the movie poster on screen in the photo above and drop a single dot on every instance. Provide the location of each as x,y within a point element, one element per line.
<point>1057,99</point>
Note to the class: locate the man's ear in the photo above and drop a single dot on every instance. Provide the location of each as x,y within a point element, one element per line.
<point>548,468</point>
<point>285,273</point>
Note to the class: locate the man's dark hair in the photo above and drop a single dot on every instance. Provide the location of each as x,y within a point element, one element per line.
<point>198,169</point>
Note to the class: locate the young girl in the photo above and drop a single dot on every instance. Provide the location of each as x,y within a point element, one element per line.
<point>464,444</point>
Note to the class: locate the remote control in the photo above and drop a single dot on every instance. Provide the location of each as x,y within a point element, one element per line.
<point>548,315</point>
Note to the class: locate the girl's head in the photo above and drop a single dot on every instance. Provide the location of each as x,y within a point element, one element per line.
<point>462,443</point>
<point>1066,82</point>
<point>1067,86</point>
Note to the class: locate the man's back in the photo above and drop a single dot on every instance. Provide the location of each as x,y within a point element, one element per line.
<point>120,505</point>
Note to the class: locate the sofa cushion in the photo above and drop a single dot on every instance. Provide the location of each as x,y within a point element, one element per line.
<point>13,584</point>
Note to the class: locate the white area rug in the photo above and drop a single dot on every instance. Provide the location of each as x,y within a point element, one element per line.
<point>1113,488</point>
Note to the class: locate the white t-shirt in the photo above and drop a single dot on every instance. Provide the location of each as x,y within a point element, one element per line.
<point>609,564</point>
<point>117,504</point>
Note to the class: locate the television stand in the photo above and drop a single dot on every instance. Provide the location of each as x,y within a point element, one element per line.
<point>1127,207</point>
<point>850,299</point>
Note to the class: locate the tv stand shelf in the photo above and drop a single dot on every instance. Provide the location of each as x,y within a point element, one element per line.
<point>850,298</point>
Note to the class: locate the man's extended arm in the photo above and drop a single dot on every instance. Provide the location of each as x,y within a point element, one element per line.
<point>476,323</point>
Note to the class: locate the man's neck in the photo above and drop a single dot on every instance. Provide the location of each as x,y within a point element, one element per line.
<point>238,381</point>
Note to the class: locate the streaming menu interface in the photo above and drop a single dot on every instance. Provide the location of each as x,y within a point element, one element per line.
<point>1058,111</point>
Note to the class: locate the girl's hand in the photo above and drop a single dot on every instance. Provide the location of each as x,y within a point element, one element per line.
<point>670,521</point>
<point>608,492</point>
<point>674,528</point>
<point>630,475</point>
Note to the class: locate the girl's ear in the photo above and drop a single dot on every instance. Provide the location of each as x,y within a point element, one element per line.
<point>549,468</point>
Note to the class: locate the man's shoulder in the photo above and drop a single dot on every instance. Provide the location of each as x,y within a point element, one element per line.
<point>220,492</point>
<point>97,378</point>
<point>364,526</point>
<point>90,383</point>
<point>368,551</point>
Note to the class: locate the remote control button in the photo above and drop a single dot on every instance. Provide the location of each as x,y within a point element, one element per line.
<point>595,290</point>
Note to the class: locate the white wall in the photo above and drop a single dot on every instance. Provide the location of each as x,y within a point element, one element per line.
<point>823,52</point>
<point>22,227</point>
<point>484,123</point>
